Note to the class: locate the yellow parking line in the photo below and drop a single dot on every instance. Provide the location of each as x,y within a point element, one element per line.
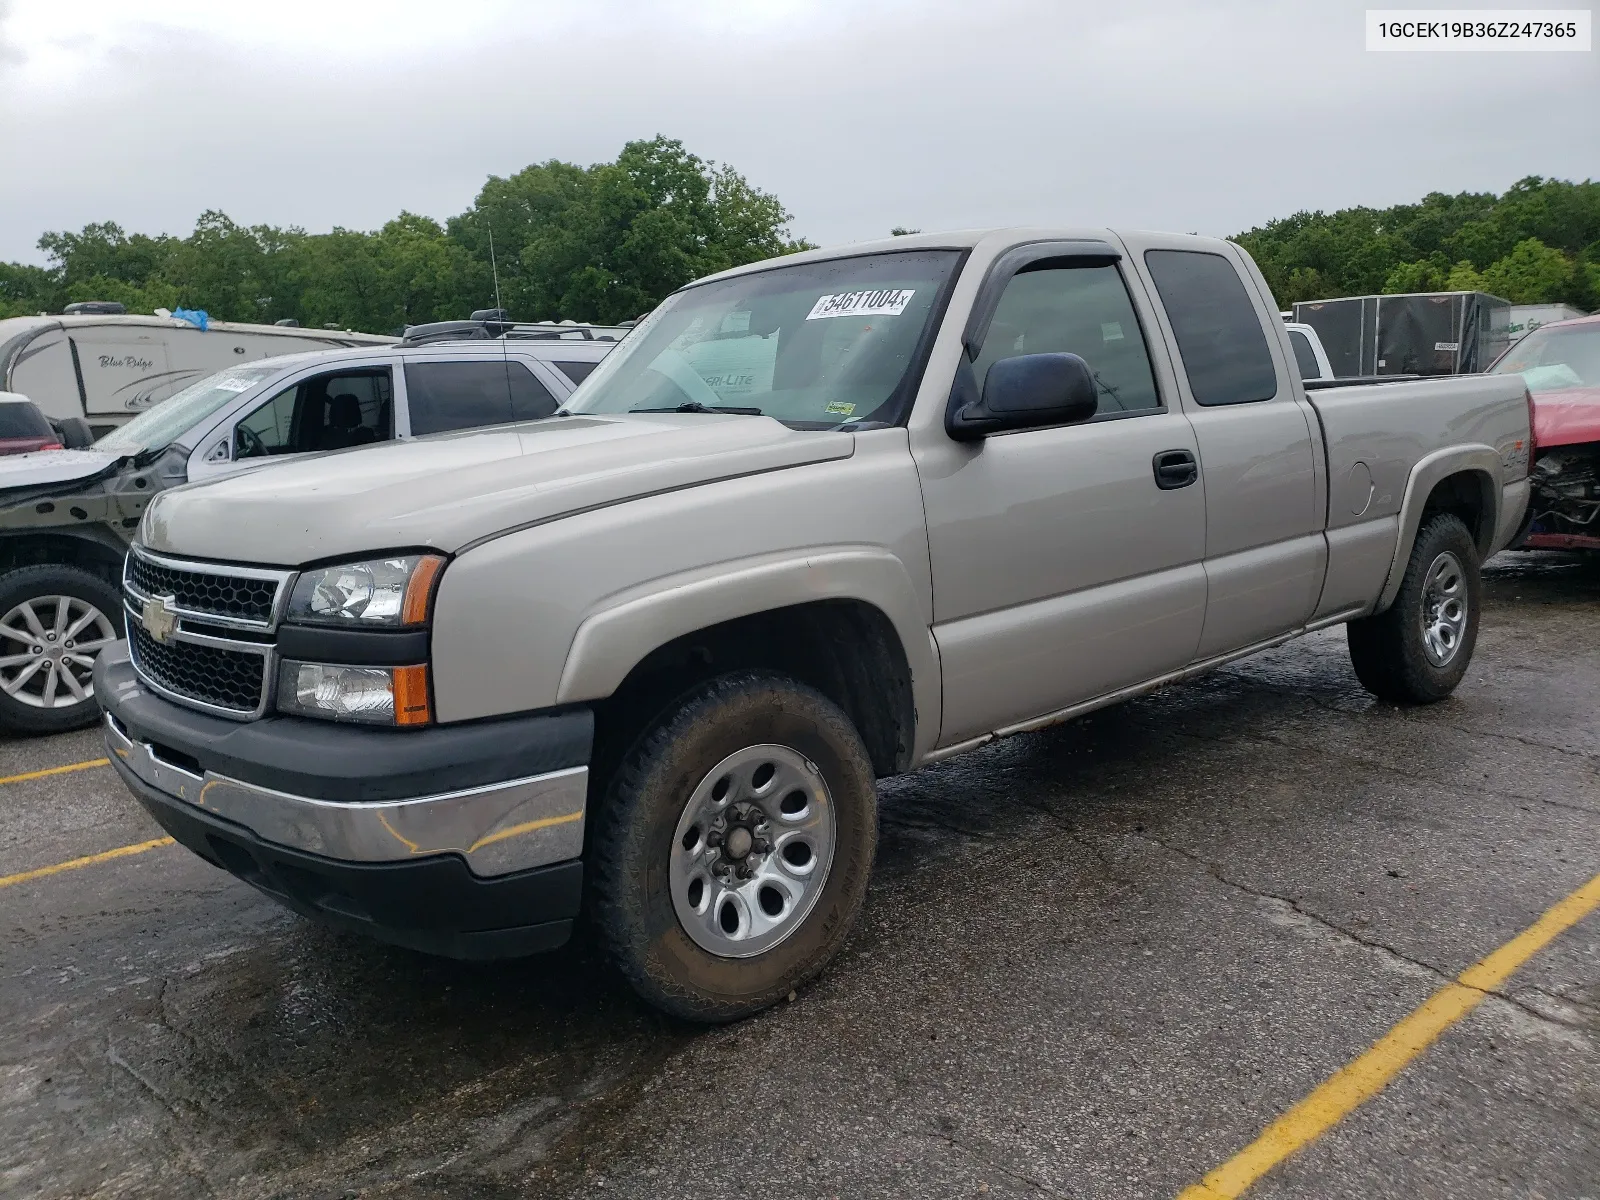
<point>88,860</point>
<point>83,766</point>
<point>1358,1081</point>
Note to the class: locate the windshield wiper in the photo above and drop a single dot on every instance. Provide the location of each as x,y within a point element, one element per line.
<point>694,406</point>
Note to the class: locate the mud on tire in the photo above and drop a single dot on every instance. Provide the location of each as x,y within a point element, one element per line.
<point>650,808</point>
<point>1417,651</point>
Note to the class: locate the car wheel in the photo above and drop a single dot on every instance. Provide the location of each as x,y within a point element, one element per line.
<point>1417,651</point>
<point>54,623</point>
<point>733,846</point>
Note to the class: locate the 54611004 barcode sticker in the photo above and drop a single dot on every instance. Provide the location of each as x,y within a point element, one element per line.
<point>885,302</point>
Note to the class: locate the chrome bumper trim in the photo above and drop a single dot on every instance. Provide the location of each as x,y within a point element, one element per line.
<point>498,828</point>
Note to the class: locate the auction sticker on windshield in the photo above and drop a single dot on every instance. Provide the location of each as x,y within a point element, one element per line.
<point>884,302</point>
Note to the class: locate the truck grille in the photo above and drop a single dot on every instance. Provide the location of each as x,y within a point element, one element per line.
<point>230,679</point>
<point>203,591</point>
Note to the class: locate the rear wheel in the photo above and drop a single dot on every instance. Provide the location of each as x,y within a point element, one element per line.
<point>1417,651</point>
<point>733,848</point>
<point>54,623</point>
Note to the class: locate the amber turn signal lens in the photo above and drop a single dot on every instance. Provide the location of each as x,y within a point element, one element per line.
<point>419,590</point>
<point>411,703</point>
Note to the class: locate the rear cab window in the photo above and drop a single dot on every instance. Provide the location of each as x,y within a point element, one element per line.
<point>1220,339</point>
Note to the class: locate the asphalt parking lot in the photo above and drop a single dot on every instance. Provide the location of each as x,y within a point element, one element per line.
<point>1097,961</point>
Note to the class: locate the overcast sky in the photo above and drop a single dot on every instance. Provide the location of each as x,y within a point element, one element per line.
<point>860,116</point>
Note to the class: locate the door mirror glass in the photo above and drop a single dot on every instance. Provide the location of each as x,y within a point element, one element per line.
<point>1026,391</point>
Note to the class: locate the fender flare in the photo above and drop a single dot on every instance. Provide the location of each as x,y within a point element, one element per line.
<point>620,631</point>
<point>1475,458</point>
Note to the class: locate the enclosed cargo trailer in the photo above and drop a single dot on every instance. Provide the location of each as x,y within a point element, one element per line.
<point>1426,333</point>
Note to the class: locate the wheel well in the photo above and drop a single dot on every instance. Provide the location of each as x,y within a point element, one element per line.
<point>32,549</point>
<point>847,649</point>
<point>1468,495</point>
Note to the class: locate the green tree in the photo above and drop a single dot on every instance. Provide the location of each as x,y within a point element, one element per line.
<point>511,213</point>
<point>426,275</point>
<point>1356,251</point>
<point>1463,277</point>
<point>608,242</point>
<point>1424,275</point>
<point>1532,273</point>
<point>222,268</point>
<point>25,290</point>
<point>340,282</point>
<point>105,251</point>
<point>153,294</point>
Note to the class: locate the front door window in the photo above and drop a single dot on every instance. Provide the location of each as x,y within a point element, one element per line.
<point>326,412</point>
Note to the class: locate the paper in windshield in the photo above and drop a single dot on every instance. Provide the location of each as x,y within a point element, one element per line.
<point>882,302</point>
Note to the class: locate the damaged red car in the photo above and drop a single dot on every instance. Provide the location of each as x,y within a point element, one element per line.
<point>1560,363</point>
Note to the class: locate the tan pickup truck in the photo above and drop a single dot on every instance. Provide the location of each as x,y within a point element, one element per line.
<point>817,521</point>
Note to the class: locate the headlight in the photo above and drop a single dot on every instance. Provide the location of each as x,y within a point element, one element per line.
<point>374,695</point>
<point>384,592</point>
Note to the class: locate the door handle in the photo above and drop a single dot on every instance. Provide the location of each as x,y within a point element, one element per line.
<point>1175,469</point>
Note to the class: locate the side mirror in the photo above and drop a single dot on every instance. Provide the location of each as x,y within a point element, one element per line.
<point>1030,391</point>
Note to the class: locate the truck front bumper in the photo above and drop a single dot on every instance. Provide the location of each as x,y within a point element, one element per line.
<point>456,840</point>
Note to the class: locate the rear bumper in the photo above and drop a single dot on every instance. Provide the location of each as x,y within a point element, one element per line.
<point>462,841</point>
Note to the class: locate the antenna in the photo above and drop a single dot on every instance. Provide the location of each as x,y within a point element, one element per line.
<point>494,269</point>
<point>505,350</point>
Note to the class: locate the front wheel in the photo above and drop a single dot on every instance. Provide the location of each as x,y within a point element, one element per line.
<point>733,847</point>
<point>1417,650</point>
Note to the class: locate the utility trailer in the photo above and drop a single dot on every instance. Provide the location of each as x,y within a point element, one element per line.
<point>1424,333</point>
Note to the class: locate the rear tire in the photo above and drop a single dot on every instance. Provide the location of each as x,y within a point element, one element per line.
<point>753,773</point>
<point>1417,651</point>
<point>68,605</point>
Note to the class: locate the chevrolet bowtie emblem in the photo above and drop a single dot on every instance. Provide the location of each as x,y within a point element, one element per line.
<point>160,617</point>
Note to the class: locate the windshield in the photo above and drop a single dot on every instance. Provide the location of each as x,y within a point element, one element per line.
<point>1555,358</point>
<point>816,345</point>
<point>171,418</point>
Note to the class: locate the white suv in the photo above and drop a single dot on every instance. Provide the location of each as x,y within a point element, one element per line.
<point>66,516</point>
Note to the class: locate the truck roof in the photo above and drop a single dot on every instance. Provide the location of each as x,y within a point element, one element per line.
<point>955,239</point>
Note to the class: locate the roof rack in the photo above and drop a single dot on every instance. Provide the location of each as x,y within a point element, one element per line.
<point>487,328</point>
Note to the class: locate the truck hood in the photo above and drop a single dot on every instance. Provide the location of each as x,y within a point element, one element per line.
<point>449,491</point>
<point>53,466</point>
<point>1569,417</point>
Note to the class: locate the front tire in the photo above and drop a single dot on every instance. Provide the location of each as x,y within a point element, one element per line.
<point>733,847</point>
<point>1417,651</point>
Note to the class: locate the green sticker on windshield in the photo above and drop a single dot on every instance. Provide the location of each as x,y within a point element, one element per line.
<point>839,408</point>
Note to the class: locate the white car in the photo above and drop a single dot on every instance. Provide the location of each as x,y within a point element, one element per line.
<point>1309,355</point>
<point>66,515</point>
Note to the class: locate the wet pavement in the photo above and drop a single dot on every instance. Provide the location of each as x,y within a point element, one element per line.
<point>1095,962</point>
